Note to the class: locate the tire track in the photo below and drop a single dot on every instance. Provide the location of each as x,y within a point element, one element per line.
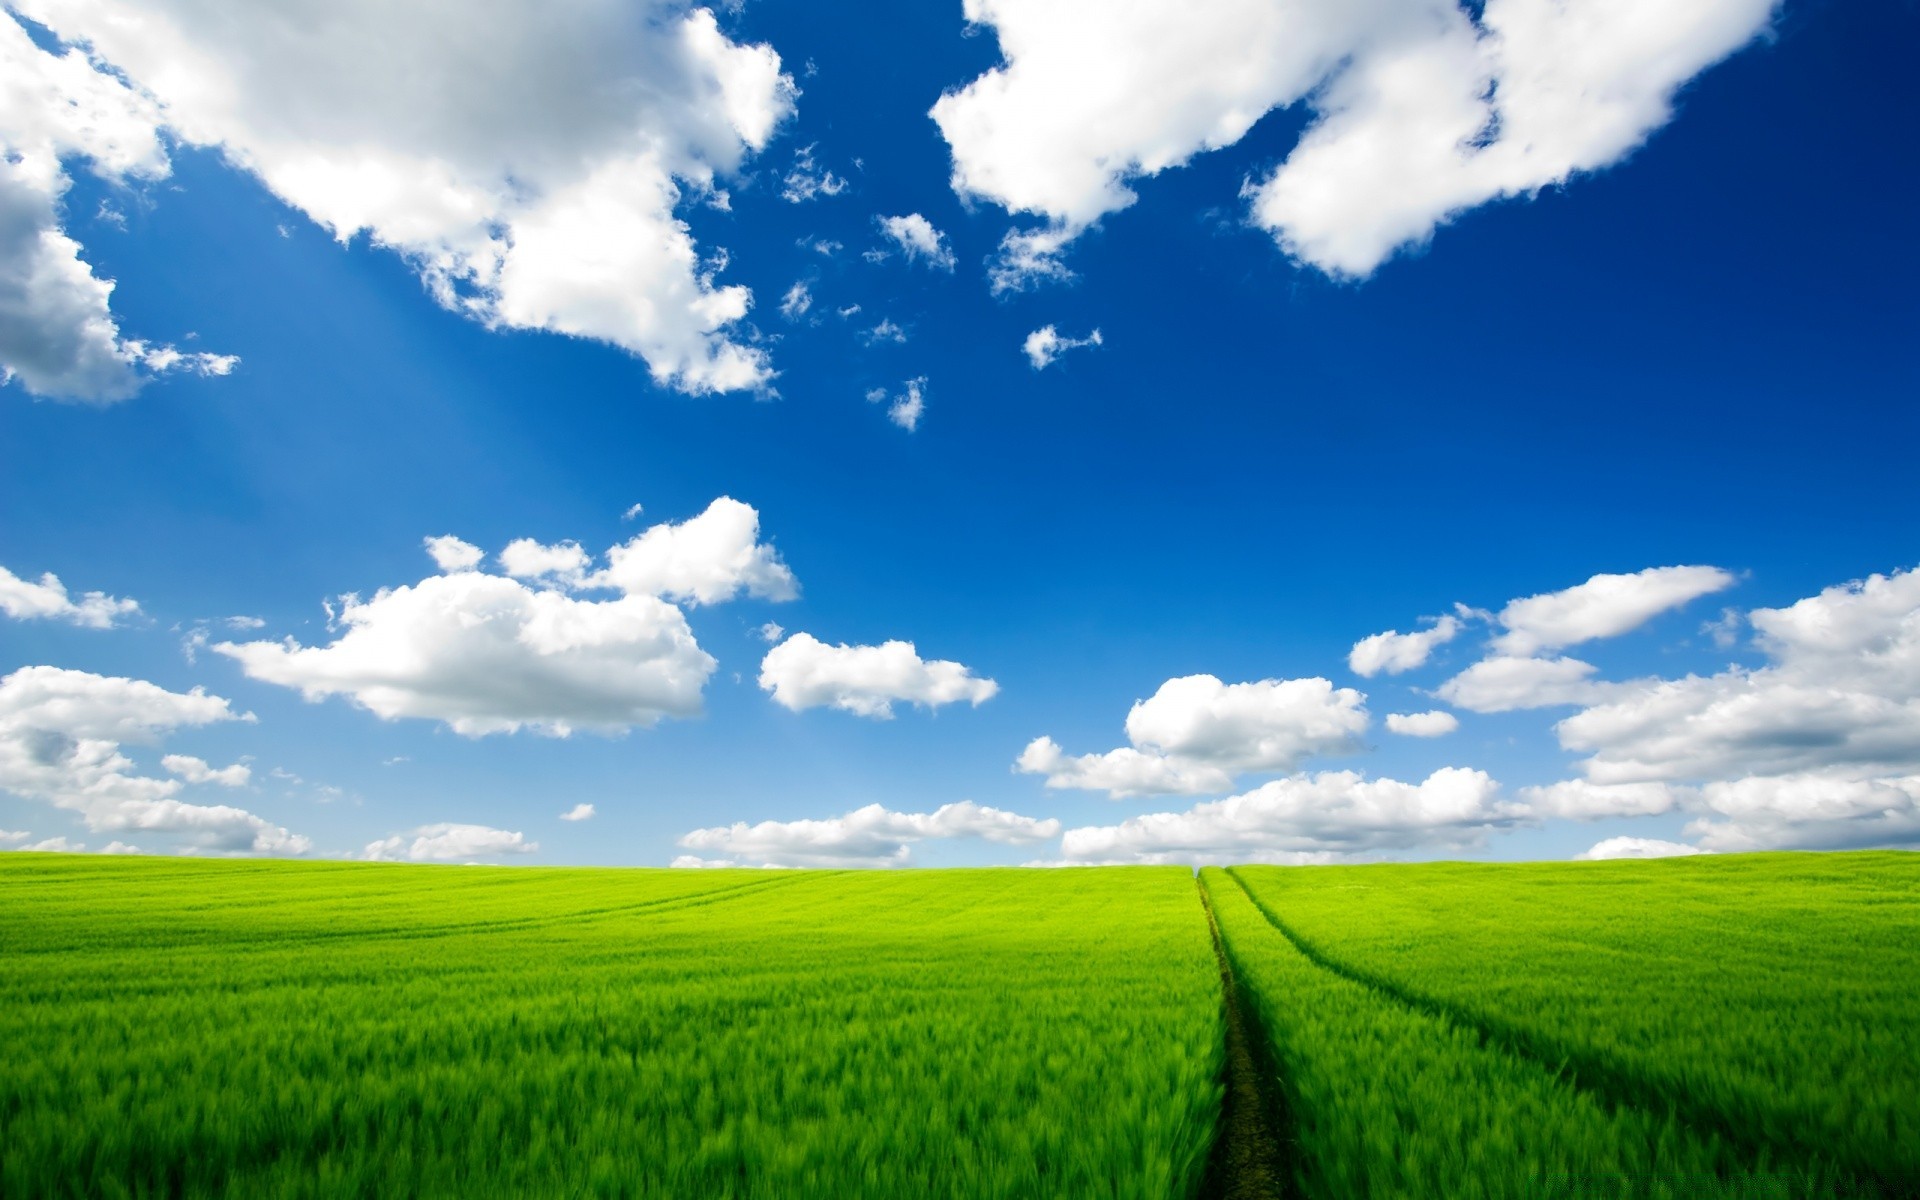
<point>1603,1079</point>
<point>1249,1158</point>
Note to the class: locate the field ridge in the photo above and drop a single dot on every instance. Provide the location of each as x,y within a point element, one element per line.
<point>1605,1080</point>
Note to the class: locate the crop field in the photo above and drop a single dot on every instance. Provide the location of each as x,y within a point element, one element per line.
<point>1736,1027</point>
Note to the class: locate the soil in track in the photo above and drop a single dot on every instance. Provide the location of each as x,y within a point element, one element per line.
<point>1249,1159</point>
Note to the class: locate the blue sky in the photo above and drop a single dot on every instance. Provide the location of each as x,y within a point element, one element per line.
<point>1686,340</point>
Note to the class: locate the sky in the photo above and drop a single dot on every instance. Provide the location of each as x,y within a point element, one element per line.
<point>1023,431</point>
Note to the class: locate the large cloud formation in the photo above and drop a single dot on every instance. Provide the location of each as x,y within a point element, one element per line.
<point>527,162</point>
<point>1196,733</point>
<point>1425,108</point>
<point>60,742</point>
<point>490,653</point>
<point>58,336</point>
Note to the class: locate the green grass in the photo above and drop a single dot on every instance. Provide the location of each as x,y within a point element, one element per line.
<point>1386,1100</point>
<point>1773,995</point>
<point>199,1028</point>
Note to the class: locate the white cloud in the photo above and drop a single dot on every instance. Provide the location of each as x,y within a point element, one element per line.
<point>451,554</point>
<point>797,301</point>
<point>1045,344</point>
<point>579,812</point>
<point>449,842</point>
<point>1029,258</point>
<point>564,563</point>
<point>56,845</point>
<point>1397,653</point>
<point>528,169</point>
<point>866,837</point>
<point>487,654</point>
<point>1636,847</point>
<point>24,600</point>
<point>1815,811</point>
<point>907,407</point>
<point>11,837</point>
<point>807,180</point>
<point>197,770</point>
<point>1604,606</point>
<point>919,240</point>
<point>58,335</point>
<point>804,672</point>
<point>885,331</point>
<point>1435,723</point>
<point>120,848</point>
<point>1196,733</point>
<point>1580,800</point>
<point>633,510</point>
<point>60,742</point>
<point>771,632</point>
<point>703,560</point>
<point>1423,111</point>
<point>1502,684</point>
<point>1307,818</point>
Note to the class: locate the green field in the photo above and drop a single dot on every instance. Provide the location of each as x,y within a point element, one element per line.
<point>1744,1026</point>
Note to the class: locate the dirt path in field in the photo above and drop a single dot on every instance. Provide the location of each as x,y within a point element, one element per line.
<point>1248,1160</point>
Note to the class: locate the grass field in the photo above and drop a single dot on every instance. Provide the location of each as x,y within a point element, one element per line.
<point>1733,1027</point>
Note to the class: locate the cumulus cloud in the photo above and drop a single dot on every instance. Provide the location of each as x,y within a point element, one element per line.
<point>1196,733</point>
<point>1435,723</point>
<point>489,653</point>
<point>61,734</point>
<point>1636,847</point>
<point>1307,818</point>
<point>1424,109</point>
<point>1396,653</point>
<point>797,301</point>
<point>25,600</point>
<point>807,180</point>
<point>918,240</point>
<point>12,837</point>
<point>529,170</point>
<point>1029,258</point>
<point>1502,684</point>
<point>804,672</point>
<point>58,335</point>
<point>579,812</point>
<point>706,559</point>
<point>866,837</point>
<point>1045,344</point>
<point>197,770</point>
<point>1580,800</point>
<point>449,842</point>
<point>449,553</point>
<point>1602,607</point>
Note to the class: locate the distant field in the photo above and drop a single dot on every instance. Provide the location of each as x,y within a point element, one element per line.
<point>1743,1026</point>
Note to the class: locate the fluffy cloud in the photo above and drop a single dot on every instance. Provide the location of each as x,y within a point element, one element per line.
<point>1579,800</point>
<point>796,302</point>
<point>1424,109</point>
<point>1396,653</point>
<point>704,560</point>
<point>58,336</point>
<point>60,742</point>
<point>579,812</point>
<point>1045,344</point>
<point>866,837</point>
<point>918,240</point>
<point>1636,847</point>
<point>1306,818</point>
<point>486,654</point>
<point>1502,684</point>
<point>490,654</point>
<point>1423,724</point>
<point>1195,733</point>
<point>906,407</point>
<point>1818,748</point>
<point>197,770</point>
<point>449,842</point>
<point>804,672</point>
<point>1604,606</point>
<point>807,180</point>
<point>24,600</point>
<point>13,837</point>
<point>529,169</point>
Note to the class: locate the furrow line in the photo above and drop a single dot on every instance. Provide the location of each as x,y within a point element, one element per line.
<point>1605,1080</point>
<point>1249,1157</point>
